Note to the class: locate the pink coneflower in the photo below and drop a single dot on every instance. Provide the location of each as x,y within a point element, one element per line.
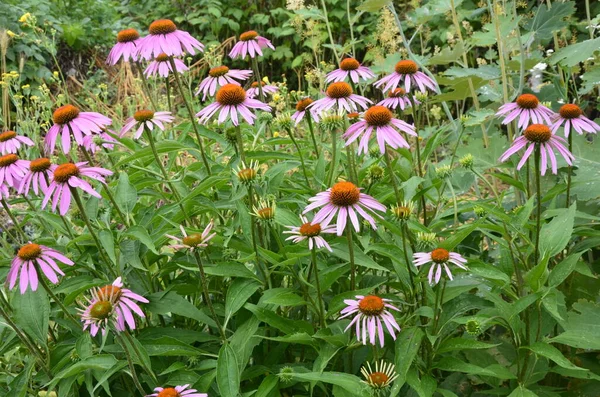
<point>340,96</point>
<point>68,120</point>
<point>111,303</point>
<point>10,142</point>
<point>379,119</point>
<point>301,110</point>
<point>93,143</point>
<point>572,117</point>
<point>12,170</point>
<point>250,43</point>
<point>231,99</point>
<point>267,89</point>
<point>66,176</point>
<point>310,232</point>
<point>439,259</point>
<point>162,66</point>
<point>126,47</point>
<point>145,119</point>
<point>194,240</point>
<point>38,175</point>
<point>370,312</point>
<point>165,38</point>
<point>350,67</point>
<point>407,72</point>
<point>177,391</point>
<point>398,98</point>
<point>4,192</point>
<point>541,135</point>
<point>344,199</point>
<point>23,266</point>
<point>528,109</point>
<point>218,77</point>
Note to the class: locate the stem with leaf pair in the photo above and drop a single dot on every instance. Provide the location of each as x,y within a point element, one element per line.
<point>207,295</point>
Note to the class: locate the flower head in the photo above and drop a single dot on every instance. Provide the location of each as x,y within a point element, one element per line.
<point>572,117</point>
<point>126,47</point>
<point>67,176</point>
<point>265,210</point>
<point>267,89</point>
<point>380,120</point>
<point>345,200</point>
<point>310,232</point>
<point>528,109</point>
<point>542,136</point>
<point>339,97</point>
<point>407,72</point>
<point>68,119</point>
<point>301,106</point>
<point>247,173</point>
<point>439,259</point>
<point>111,304</point>
<point>370,312</point>
<point>398,98</point>
<point>93,143</point>
<point>350,67</point>
<point>145,119</point>
<point>12,170</point>
<point>380,378</point>
<point>232,99</point>
<point>193,241</point>
<point>218,77</point>
<point>29,260</point>
<point>177,391</point>
<point>165,38</point>
<point>10,142</point>
<point>161,65</point>
<point>250,43</point>
<point>403,211</point>
<point>37,176</point>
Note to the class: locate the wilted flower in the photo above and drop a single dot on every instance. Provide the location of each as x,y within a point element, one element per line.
<point>250,43</point>
<point>572,117</point>
<point>350,67</point>
<point>439,259</point>
<point>527,108</point>
<point>407,72</point>
<point>218,77</point>
<point>126,47</point>
<point>193,241</point>
<point>232,99</point>
<point>161,65</point>
<point>145,119</point>
<point>382,377</point>
<point>310,232</point>
<point>10,142</point>
<point>29,259</point>
<point>165,38</point>
<point>371,311</point>
<point>68,119</point>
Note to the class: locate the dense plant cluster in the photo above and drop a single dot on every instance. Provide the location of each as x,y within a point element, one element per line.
<point>329,199</point>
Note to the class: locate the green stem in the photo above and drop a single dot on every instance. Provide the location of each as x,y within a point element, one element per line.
<point>570,172</point>
<point>191,114</point>
<point>333,159</point>
<point>538,190</point>
<point>312,133</point>
<point>420,174</point>
<point>388,162</point>
<point>111,198</point>
<point>265,271</point>
<point>130,363</point>
<point>337,57</point>
<point>240,141</point>
<point>139,355</point>
<point>207,296</point>
<point>438,309</point>
<point>168,87</point>
<point>54,297</point>
<point>404,231</point>
<point>351,252</point>
<point>13,219</point>
<point>261,94</point>
<point>145,85</point>
<point>291,135</point>
<point>318,285</point>
<point>454,201</point>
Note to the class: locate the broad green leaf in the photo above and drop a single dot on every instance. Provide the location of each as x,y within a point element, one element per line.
<point>463,344</point>
<point>521,391</point>
<point>283,324</point>
<point>408,343</point>
<point>552,353</point>
<point>100,362</point>
<point>228,379</point>
<point>373,5</point>
<point>108,244</point>
<point>563,270</point>
<point>573,54</point>
<point>238,294</point>
<point>556,233</point>
<point>547,21</point>
<point>269,385</point>
<point>348,382</point>
<point>360,258</point>
<point>171,302</point>
<point>141,234</point>
<point>20,384</point>
<point>453,364</point>
<point>126,195</point>
<point>582,326</point>
<point>31,312</point>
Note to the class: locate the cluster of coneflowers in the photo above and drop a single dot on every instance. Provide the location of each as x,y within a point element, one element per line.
<point>339,209</point>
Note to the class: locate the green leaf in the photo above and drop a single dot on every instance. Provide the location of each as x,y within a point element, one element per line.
<point>285,325</point>
<point>552,353</point>
<point>556,233</point>
<point>360,258</point>
<point>100,362</point>
<point>141,234</point>
<point>20,384</point>
<point>108,244</point>
<point>453,364</point>
<point>269,385</point>
<point>126,196</point>
<point>373,5</point>
<point>228,380</point>
<point>31,312</point>
<point>348,382</point>
<point>463,344</point>
<point>522,392</point>
<point>575,53</point>
<point>171,302</point>
<point>237,295</point>
<point>563,270</point>
<point>582,326</point>
<point>408,343</point>
<point>547,21</point>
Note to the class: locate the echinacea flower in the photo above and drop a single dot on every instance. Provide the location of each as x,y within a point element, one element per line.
<point>350,67</point>
<point>380,120</point>
<point>310,232</point>
<point>528,109</point>
<point>301,106</point>
<point>250,43</point>
<point>572,117</point>
<point>145,119</point>
<point>540,135</point>
<point>68,120</point>
<point>398,98</point>
<point>344,199</point>
<point>29,259</point>
<point>111,303</point>
<point>371,311</point>
<point>265,210</point>
<point>267,89</point>
<point>177,391</point>
<point>93,143</point>
<point>247,173</point>
<point>232,99</point>
<point>165,38</point>
<point>12,170</point>
<point>10,142</point>
<point>407,72</point>
<point>383,375</point>
<point>38,175</point>
<point>340,96</point>
<point>439,259</point>
<point>67,176</point>
<point>161,65</point>
<point>194,240</point>
<point>218,77</point>
<point>126,47</point>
